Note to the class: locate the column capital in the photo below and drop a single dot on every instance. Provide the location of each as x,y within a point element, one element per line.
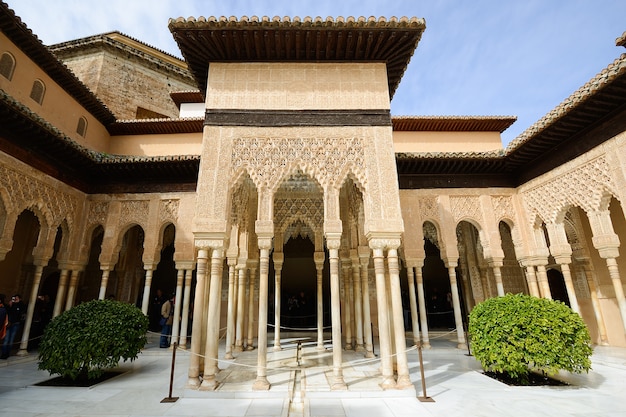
<point>318,257</point>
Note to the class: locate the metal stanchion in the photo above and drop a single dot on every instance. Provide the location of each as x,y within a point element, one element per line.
<point>169,398</point>
<point>425,398</point>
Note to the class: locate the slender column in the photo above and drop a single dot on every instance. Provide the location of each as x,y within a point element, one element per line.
<point>180,276</point>
<point>333,258</point>
<point>410,277</point>
<point>193,380</point>
<point>185,314</point>
<point>261,382</point>
<point>358,301</point>
<point>347,283</point>
<point>422,305</point>
<point>542,278</point>
<point>611,263</point>
<point>241,298</point>
<point>456,304</point>
<point>103,285</point>
<point>318,257</point>
<point>58,302</point>
<point>30,310</point>
<point>71,291</point>
<point>213,323</point>
<point>531,279</point>
<point>250,331</point>
<point>146,290</point>
<point>279,258</point>
<point>384,334</point>
<point>569,283</point>
<point>364,253</point>
<point>404,381</point>
<point>496,266</point>
<point>230,320</point>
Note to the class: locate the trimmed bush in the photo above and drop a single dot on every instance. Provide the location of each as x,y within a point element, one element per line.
<point>515,334</point>
<point>86,340</point>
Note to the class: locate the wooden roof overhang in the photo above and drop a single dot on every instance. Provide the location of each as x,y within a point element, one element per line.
<point>27,137</point>
<point>590,116</point>
<point>206,40</point>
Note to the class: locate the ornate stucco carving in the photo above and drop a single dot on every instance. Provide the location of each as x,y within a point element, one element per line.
<point>429,208</point>
<point>168,210</point>
<point>466,207</point>
<point>135,211</point>
<point>29,192</point>
<point>502,207</point>
<point>584,186</point>
<point>269,159</point>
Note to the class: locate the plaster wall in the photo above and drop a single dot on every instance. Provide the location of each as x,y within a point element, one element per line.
<point>446,141</point>
<point>297,86</point>
<point>58,108</point>
<point>157,145</point>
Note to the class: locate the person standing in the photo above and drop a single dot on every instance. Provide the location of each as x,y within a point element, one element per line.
<point>3,318</point>
<point>15,313</point>
<point>167,318</point>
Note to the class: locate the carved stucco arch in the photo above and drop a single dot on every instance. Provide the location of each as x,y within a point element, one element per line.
<point>316,230</point>
<point>85,247</point>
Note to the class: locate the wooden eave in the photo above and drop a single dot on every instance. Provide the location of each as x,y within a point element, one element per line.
<point>23,38</point>
<point>452,123</point>
<point>180,97</point>
<point>156,126</point>
<point>203,41</point>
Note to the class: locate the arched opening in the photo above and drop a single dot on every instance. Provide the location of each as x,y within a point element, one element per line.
<point>127,278</point>
<point>93,274</point>
<point>17,268</point>
<point>163,277</point>
<point>439,309</point>
<point>557,285</point>
<point>512,274</point>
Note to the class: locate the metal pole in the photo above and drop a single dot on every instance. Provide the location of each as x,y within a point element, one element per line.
<point>170,399</point>
<point>425,398</point>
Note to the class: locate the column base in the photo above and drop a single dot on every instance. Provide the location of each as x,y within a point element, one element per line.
<point>359,348</point>
<point>403,382</point>
<point>338,384</point>
<point>249,347</point>
<point>228,355</point>
<point>261,384</point>
<point>277,348</point>
<point>209,384</point>
<point>388,383</point>
<point>320,348</point>
<point>238,348</point>
<point>22,352</point>
<point>369,354</point>
<point>426,345</point>
<point>193,383</point>
<point>462,345</point>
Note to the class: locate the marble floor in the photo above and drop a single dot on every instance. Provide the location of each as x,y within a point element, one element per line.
<point>300,387</point>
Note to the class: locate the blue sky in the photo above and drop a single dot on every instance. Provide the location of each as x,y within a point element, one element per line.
<point>480,57</point>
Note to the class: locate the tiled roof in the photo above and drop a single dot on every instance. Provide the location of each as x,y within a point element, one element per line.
<point>204,40</point>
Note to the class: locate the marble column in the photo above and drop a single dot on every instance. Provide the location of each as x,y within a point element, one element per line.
<point>347,303</point>
<point>496,267</point>
<point>193,380</point>
<point>384,333</point>
<point>71,290</point>
<point>338,382</point>
<point>318,258</point>
<point>103,285</point>
<point>30,309</point>
<point>251,298</point>
<point>209,382</point>
<point>456,304</point>
<point>531,279</point>
<point>564,261</point>
<point>364,260</point>
<point>145,302</point>
<point>261,382</point>
<point>358,301</point>
<point>279,258</point>
<point>542,280</point>
<point>230,314</point>
<point>60,298</point>
<point>403,380</point>
<point>241,298</point>
<point>422,304</point>
<point>185,314</point>
<point>410,277</point>
<point>180,276</point>
<point>611,263</point>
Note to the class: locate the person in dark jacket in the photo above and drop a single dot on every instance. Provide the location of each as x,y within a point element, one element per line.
<point>3,317</point>
<point>15,313</point>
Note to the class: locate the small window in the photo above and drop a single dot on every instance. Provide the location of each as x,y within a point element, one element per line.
<point>81,129</point>
<point>38,91</point>
<point>7,65</point>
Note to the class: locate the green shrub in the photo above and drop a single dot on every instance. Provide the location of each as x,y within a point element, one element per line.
<point>91,337</point>
<point>515,334</point>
